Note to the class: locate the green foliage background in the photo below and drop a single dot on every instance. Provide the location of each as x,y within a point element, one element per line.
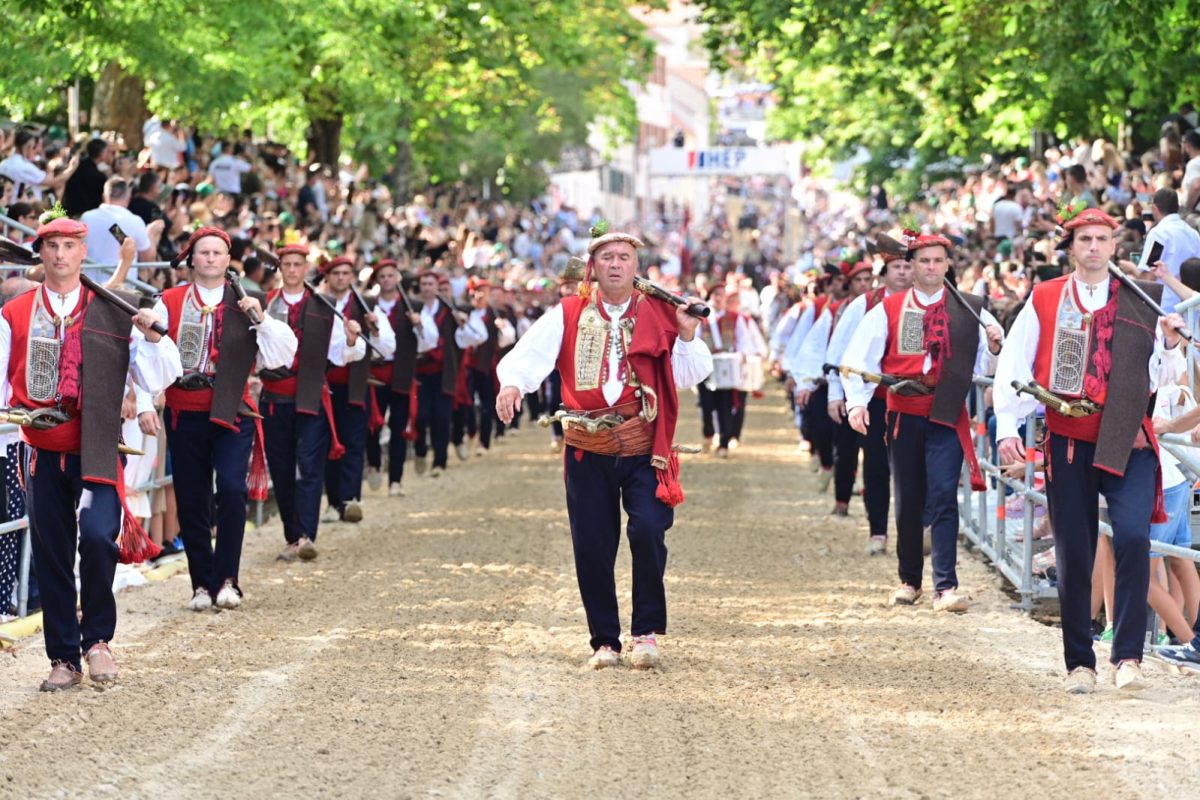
<point>937,78</point>
<point>441,90</point>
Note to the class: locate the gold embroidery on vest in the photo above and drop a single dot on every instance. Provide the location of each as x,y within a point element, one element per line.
<point>591,340</point>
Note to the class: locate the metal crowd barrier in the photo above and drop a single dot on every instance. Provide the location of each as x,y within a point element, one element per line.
<point>984,516</point>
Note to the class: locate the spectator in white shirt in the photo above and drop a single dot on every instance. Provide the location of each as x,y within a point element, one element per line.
<point>1179,240</point>
<point>166,142</point>
<point>1007,216</point>
<point>1191,174</point>
<point>226,170</point>
<point>102,246</point>
<point>28,178</point>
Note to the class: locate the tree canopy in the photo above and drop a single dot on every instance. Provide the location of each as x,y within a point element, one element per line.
<point>960,77</point>
<point>473,89</point>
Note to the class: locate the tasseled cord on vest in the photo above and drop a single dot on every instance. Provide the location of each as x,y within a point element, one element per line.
<point>257,481</point>
<point>670,490</point>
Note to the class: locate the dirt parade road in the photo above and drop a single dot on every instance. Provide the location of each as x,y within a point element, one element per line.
<point>436,650</point>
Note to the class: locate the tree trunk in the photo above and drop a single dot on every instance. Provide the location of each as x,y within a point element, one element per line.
<point>402,170</point>
<point>325,139</point>
<point>119,104</point>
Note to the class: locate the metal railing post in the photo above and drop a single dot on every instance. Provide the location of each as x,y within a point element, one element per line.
<point>23,574</point>
<point>1027,556</point>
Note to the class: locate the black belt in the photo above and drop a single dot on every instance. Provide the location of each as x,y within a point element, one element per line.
<point>195,382</point>
<point>278,374</point>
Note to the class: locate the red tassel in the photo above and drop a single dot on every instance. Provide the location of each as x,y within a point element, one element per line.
<point>336,449</point>
<point>68,367</point>
<point>670,490</point>
<point>410,429</point>
<point>257,481</point>
<point>133,545</point>
<point>375,420</point>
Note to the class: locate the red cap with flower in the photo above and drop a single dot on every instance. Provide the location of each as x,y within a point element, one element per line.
<point>923,240</point>
<point>293,249</point>
<point>850,270</point>
<point>1075,214</point>
<point>55,222</point>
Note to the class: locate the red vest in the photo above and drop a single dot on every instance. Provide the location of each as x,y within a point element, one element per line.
<point>1046,298</point>
<point>901,365</point>
<point>181,399</point>
<point>590,399</point>
<point>18,312</point>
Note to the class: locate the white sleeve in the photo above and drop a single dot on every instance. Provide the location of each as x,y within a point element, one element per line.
<point>1015,363</point>
<point>427,336</point>
<point>472,332</point>
<point>5,351</point>
<point>534,355</point>
<point>154,366</point>
<point>340,354</point>
<point>783,331</point>
<point>865,352</point>
<point>837,344</point>
<point>691,361</point>
<point>145,400</point>
<point>277,343</point>
<point>750,338</point>
<point>385,338</point>
<point>812,352</point>
<point>141,237</point>
<point>985,359</point>
<point>791,351</point>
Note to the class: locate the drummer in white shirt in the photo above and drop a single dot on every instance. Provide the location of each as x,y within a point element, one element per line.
<point>738,347</point>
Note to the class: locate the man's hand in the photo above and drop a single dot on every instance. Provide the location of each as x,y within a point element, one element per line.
<point>150,423</point>
<point>995,338</point>
<point>128,251</point>
<point>1012,450</point>
<point>1171,325</point>
<point>803,396</point>
<point>686,322</point>
<point>837,410</point>
<point>1161,425</point>
<point>251,307</point>
<point>128,406</point>
<point>508,404</point>
<point>143,320</point>
<point>371,320</point>
<point>1161,270</point>
<point>860,420</point>
<point>414,319</point>
<point>353,329</point>
<point>460,318</point>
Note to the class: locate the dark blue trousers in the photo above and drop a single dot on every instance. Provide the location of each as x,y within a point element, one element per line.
<point>483,392</point>
<point>846,442</point>
<point>1073,487</point>
<point>597,487</point>
<point>926,465</point>
<point>877,471</point>
<point>297,447</point>
<point>817,427</point>
<point>344,477</point>
<point>434,411</point>
<point>54,489</point>
<point>199,448</point>
<point>395,406</point>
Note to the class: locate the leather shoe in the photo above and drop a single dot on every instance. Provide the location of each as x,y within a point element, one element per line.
<point>62,676</point>
<point>102,667</point>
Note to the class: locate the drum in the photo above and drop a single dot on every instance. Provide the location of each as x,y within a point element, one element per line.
<point>752,374</point>
<point>727,372</point>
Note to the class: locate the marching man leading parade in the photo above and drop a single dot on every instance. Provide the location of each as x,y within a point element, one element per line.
<point>58,343</point>
<point>1079,339</point>
<point>926,347</point>
<point>622,355</point>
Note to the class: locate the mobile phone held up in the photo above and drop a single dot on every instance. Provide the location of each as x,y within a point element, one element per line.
<point>1156,251</point>
<point>116,232</point>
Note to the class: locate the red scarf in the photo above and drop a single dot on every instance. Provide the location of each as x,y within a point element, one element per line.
<point>937,336</point>
<point>650,358</point>
<point>1096,379</point>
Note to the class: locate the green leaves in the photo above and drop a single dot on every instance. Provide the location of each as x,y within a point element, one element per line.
<point>454,81</point>
<point>927,78</point>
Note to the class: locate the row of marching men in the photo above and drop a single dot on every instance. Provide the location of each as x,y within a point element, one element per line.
<point>334,367</point>
<point>897,363</point>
